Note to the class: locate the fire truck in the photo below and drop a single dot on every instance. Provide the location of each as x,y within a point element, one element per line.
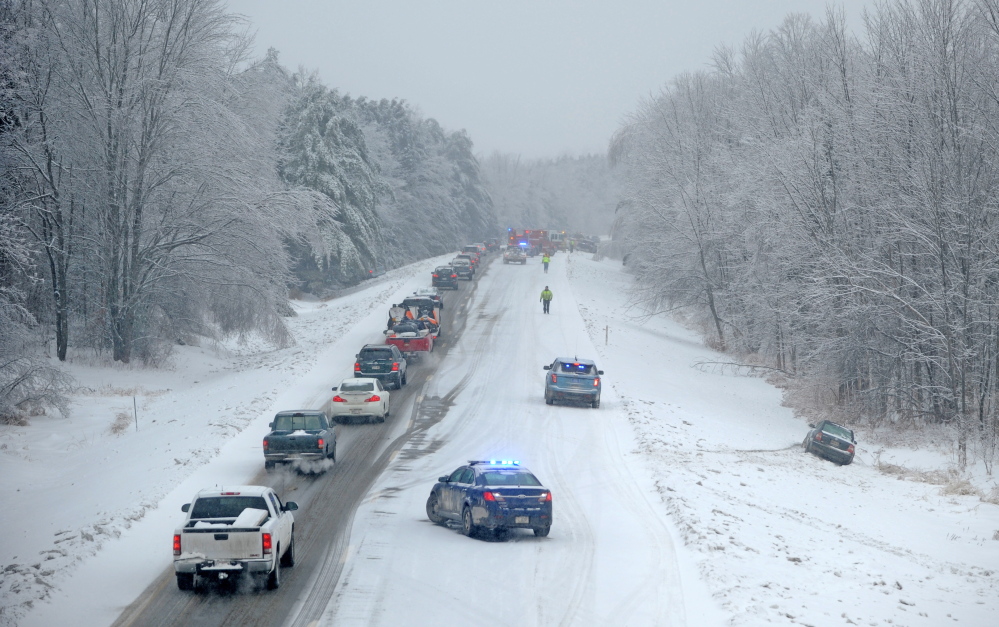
<point>531,241</point>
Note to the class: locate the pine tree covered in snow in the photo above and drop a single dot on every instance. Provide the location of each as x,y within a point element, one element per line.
<point>324,150</point>
<point>434,199</point>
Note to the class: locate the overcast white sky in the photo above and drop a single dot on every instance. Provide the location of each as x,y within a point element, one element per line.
<point>539,78</point>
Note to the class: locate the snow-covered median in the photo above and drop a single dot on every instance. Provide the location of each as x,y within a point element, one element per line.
<point>73,487</point>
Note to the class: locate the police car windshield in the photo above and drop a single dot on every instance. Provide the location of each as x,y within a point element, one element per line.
<point>508,477</point>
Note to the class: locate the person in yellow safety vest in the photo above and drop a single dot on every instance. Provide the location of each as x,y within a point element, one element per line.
<point>546,260</point>
<point>546,298</point>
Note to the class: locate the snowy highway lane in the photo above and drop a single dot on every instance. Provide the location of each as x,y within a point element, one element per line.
<point>610,558</point>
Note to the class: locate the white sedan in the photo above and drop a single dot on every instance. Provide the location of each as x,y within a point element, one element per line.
<point>359,397</point>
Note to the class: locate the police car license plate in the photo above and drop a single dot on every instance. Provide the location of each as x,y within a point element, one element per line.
<point>521,520</point>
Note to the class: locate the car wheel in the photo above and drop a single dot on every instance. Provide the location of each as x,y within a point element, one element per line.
<point>404,378</point>
<point>185,581</point>
<point>548,398</point>
<point>274,578</point>
<point>808,446</point>
<point>269,466</point>
<point>398,382</point>
<point>595,404</point>
<point>468,528</point>
<point>288,559</point>
<point>332,454</point>
<point>542,532</point>
<point>433,510</point>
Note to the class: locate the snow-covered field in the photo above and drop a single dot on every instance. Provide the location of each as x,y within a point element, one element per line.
<point>684,500</point>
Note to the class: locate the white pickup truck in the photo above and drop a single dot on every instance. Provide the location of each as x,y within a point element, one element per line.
<point>234,532</point>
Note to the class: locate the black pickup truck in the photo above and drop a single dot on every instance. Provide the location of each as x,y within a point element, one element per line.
<point>382,361</point>
<point>299,436</point>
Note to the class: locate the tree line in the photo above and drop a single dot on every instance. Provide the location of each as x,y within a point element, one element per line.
<point>573,194</point>
<point>827,203</point>
<point>158,182</point>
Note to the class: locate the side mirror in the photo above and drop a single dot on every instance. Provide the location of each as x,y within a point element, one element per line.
<point>185,507</point>
<point>290,506</point>
<point>270,425</point>
<point>443,479</point>
<point>600,371</point>
<point>812,425</point>
<point>547,367</point>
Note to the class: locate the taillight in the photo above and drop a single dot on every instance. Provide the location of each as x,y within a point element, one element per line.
<point>548,498</point>
<point>395,366</point>
<point>454,276</point>
<point>339,399</point>
<point>266,444</point>
<point>850,450</point>
<point>373,399</point>
<point>320,443</point>
<point>268,547</point>
<point>554,379</point>
<point>176,544</point>
<point>596,382</point>
<point>357,366</point>
<point>436,277</point>
<point>488,496</point>
<point>818,437</point>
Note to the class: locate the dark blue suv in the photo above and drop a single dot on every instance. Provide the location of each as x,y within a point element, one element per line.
<point>573,380</point>
<point>494,495</point>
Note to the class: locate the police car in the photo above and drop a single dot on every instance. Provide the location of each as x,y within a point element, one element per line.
<point>496,495</point>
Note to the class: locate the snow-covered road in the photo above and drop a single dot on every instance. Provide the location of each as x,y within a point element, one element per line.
<point>611,556</point>
<point>683,500</point>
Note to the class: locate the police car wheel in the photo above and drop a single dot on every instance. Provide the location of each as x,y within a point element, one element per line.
<point>467,526</point>
<point>542,532</point>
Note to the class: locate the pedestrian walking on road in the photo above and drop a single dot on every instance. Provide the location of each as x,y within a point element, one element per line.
<point>546,298</point>
<point>572,245</point>
<point>546,260</point>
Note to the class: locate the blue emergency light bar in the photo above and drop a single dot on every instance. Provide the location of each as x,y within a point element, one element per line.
<point>495,462</point>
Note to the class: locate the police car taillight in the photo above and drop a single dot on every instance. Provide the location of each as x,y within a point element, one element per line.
<point>554,379</point>
<point>596,382</point>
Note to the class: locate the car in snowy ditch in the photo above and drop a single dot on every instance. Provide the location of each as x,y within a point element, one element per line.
<point>571,379</point>
<point>444,277</point>
<point>359,398</point>
<point>494,495</point>
<point>234,534</point>
<point>303,435</point>
<point>831,441</point>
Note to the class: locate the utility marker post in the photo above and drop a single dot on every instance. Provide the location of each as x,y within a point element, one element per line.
<point>606,334</point>
<point>135,412</point>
